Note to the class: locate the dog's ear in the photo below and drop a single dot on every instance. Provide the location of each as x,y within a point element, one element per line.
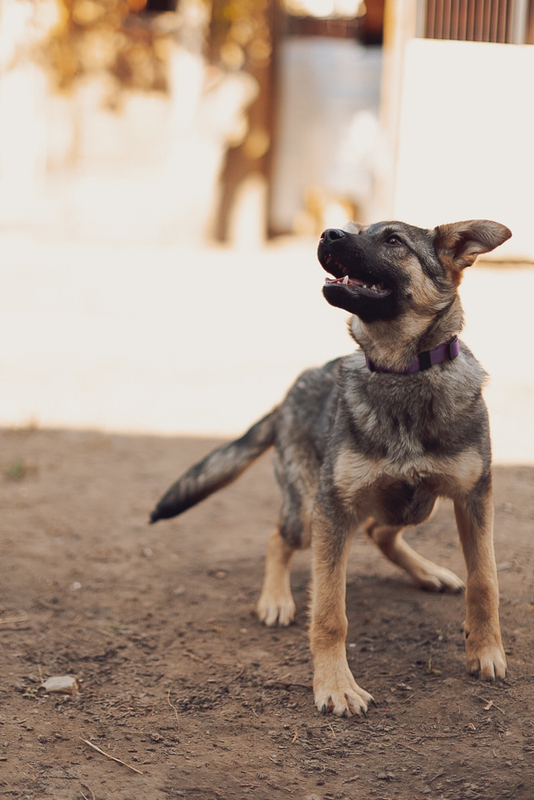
<point>353,227</point>
<point>459,243</point>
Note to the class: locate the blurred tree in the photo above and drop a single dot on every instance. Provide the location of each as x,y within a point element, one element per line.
<point>130,42</point>
<point>126,39</point>
<point>242,36</point>
<point>129,38</point>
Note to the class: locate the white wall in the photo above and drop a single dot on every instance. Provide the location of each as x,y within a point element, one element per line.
<point>466,137</point>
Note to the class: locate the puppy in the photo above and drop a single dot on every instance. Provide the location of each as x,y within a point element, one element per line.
<point>373,439</point>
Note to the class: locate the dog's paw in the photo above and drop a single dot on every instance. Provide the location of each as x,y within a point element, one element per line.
<point>340,694</point>
<point>433,578</point>
<point>273,609</point>
<point>487,661</point>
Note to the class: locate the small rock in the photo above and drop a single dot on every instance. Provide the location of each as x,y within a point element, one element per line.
<point>62,684</point>
<point>385,776</point>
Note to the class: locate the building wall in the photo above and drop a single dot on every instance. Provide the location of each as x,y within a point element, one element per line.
<point>466,133</point>
<point>457,129</point>
<point>329,100</point>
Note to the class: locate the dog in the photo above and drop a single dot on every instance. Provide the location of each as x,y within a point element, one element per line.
<point>372,440</point>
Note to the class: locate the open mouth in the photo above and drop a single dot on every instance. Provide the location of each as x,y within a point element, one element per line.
<point>368,286</point>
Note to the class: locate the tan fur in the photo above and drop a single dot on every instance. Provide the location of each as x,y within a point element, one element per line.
<point>328,630</point>
<point>425,573</point>
<point>354,473</point>
<point>484,650</point>
<point>276,603</point>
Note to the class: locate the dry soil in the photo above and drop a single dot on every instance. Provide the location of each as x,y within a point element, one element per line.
<point>184,692</point>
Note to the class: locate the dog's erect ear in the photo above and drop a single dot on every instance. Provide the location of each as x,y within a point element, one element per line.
<point>459,243</point>
<point>353,227</point>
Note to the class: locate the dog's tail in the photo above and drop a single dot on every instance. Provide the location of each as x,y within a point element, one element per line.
<point>218,469</point>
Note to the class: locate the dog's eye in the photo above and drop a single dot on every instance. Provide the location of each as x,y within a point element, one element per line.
<point>393,240</point>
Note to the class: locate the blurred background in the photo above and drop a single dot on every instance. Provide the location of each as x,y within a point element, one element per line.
<point>166,167</point>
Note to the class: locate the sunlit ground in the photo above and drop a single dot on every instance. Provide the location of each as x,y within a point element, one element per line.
<point>199,340</point>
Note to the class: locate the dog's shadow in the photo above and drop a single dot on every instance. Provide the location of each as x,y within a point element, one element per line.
<point>394,626</point>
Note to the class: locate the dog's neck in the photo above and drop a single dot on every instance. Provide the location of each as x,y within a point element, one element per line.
<point>395,344</point>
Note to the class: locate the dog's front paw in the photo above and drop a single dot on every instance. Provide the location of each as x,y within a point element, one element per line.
<point>272,609</point>
<point>485,660</point>
<point>338,692</point>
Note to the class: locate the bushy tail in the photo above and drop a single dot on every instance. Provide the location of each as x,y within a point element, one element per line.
<point>218,469</point>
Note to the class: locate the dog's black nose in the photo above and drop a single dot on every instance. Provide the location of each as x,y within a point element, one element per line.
<point>332,233</point>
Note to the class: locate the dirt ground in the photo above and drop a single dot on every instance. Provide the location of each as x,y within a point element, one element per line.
<point>181,684</point>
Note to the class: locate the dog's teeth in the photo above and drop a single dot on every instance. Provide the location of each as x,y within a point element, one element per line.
<point>345,280</point>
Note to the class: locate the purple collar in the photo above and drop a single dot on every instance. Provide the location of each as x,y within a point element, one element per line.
<point>443,352</point>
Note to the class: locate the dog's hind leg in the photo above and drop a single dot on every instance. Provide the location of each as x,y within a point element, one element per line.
<point>276,604</point>
<point>425,573</point>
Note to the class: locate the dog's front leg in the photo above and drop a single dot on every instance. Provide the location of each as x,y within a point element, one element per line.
<point>484,651</point>
<point>333,683</point>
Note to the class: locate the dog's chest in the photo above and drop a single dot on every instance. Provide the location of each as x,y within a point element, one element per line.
<point>403,491</point>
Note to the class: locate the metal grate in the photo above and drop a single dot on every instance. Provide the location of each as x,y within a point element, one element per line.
<point>504,21</point>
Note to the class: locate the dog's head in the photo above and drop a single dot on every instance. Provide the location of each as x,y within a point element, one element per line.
<point>382,271</point>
